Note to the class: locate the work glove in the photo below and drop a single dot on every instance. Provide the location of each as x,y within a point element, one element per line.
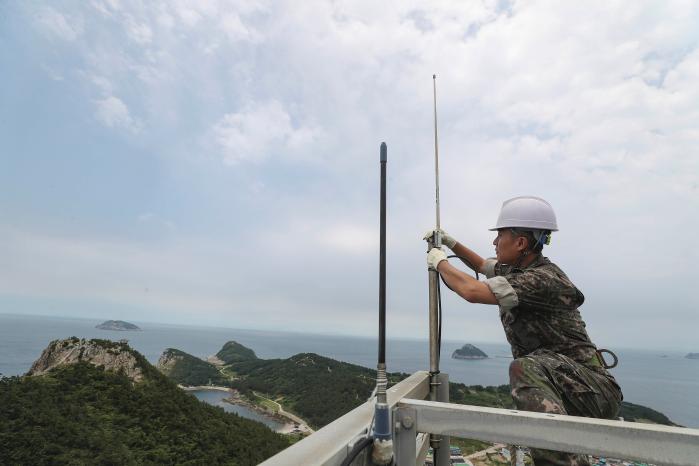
<point>447,240</point>
<point>434,257</point>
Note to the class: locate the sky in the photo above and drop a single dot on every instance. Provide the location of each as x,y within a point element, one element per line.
<point>216,162</point>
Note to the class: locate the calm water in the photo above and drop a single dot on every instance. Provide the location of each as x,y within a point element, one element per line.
<point>664,381</point>
<point>215,397</point>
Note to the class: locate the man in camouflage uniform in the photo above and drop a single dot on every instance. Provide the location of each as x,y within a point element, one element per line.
<point>556,368</point>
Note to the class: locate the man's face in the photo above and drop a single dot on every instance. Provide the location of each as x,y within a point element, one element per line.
<point>508,247</point>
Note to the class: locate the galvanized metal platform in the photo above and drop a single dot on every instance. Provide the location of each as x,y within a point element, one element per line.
<point>414,418</point>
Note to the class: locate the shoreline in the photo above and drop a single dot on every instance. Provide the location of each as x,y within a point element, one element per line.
<point>289,422</point>
<point>300,424</point>
<point>191,388</point>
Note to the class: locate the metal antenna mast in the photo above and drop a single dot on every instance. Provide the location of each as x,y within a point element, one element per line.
<point>438,240</point>
<point>439,383</point>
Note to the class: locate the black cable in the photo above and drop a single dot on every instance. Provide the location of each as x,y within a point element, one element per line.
<point>439,301</point>
<point>439,318</point>
<point>467,262</point>
<point>356,449</point>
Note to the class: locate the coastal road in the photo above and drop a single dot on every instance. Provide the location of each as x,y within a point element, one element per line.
<point>302,424</point>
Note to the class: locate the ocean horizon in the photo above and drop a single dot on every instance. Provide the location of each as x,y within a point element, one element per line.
<point>663,380</point>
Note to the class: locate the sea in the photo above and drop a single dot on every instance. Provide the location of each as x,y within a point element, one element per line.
<point>663,380</point>
<point>218,398</point>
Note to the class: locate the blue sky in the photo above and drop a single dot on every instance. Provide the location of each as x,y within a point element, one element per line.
<point>215,162</point>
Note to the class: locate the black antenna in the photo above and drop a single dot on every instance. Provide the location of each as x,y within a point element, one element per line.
<point>382,451</point>
<point>382,259</point>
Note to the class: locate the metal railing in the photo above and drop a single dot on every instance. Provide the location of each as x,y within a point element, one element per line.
<point>413,418</point>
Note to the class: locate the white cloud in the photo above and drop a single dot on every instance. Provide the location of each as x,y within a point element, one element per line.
<point>259,131</point>
<point>60,25</point>
<point>106,7</point>
<point>346,238</point>
<point>593,106</point>
<point>236,30</point>
<point>140,33</point>
<point>103,84</point>
<point>114,113</point>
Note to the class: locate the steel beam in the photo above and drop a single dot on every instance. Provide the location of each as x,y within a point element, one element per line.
<point>404,436</point>
<point>672,446</point>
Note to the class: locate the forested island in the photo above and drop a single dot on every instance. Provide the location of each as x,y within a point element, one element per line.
<point>316,388</point>
<point>692,356</point>
<point>321,389</point>
<point>101,402</point>
<point>77,412</point>
<point>118,325</point>
<point>468,351</point>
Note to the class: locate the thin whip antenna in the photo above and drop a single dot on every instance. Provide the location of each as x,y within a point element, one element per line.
<point>436,151</point>
<point>440,452</point>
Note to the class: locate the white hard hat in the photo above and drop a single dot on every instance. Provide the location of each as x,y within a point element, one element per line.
<point>528,212</point>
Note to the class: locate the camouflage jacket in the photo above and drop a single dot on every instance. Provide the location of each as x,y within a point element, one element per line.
<point>539,309</point>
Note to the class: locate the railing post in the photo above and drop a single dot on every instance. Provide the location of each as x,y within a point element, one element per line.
<point>404,436</point>
<point>444,455</point>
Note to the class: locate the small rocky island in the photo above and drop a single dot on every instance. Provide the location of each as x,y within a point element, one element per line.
<point>468,351</point>
<point>692,356</point>
<point>119,325</point>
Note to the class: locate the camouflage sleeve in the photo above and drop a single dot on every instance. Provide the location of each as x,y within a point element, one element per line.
<point>545,289</point>
<point>489,267</point>
<point>504,293</point>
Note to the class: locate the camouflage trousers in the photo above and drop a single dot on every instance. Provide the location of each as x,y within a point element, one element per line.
<point>548,382</point>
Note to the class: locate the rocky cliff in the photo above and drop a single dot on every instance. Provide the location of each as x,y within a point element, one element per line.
<point>169,360</point>
<point>112,356</point>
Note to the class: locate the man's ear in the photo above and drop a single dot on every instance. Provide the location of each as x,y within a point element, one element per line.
<point>522,243</point>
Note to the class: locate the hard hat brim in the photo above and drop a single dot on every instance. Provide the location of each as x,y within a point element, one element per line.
<point>524,228</point>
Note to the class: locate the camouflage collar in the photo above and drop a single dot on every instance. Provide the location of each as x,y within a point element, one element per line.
<point>538,262</point>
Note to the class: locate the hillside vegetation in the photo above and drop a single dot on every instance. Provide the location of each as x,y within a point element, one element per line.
<point>185,369</point>
<point>321,389</point>
<point>317,388</point>
<point>499,397</point>
<point>82,414</point>
<point>638,413</point>
<point>233,351</point>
